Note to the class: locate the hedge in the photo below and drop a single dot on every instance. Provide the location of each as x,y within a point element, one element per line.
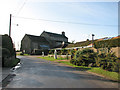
<point>87,57</point>
<point>84,57</point>
<point>80,44</point>
<point>107,43</point>
<point>8,51</point>
<point>8,44</point>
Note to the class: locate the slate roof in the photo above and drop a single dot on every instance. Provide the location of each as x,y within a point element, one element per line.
<point>36,38</point>
<point>55,34</point>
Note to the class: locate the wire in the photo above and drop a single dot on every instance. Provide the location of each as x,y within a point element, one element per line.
<point>21,7</point>
<point>66,22</point>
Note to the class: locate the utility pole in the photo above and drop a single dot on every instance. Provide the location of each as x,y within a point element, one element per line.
<point>92,39</point>
<point>10,25</point>
<point>18,45</point>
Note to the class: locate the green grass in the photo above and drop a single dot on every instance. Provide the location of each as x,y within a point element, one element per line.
<point>22,55</point>
<point>107,74</point>
<point>52,58</point>
<point>68,63</point>
<point>97,70</point>
<point>26,55</point>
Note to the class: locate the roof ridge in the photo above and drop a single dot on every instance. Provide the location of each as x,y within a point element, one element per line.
<point>55,34</point>
<point>52,33</point>
<point>31,35</point>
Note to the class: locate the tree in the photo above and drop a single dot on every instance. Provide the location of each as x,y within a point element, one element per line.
<point>87,40</point>
<point>73,41</point>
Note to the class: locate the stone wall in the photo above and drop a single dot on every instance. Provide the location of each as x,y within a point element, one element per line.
<point>26,45</point>
<point>117,51</point>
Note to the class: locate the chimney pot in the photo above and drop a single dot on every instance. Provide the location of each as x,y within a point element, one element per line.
<point>63,33</point>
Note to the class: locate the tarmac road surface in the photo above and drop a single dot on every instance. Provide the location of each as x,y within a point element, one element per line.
<point>38,73</point>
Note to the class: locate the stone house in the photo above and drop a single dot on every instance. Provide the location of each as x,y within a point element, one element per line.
<point>55,40</point>
<point>47,40</point>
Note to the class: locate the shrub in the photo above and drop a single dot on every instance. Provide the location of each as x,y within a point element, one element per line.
<point>84,57</point>
<point>72,53</point>
<point>63,52</point>
<point>5,52</point>
<point>71,61</point>
<point>108,62</point>
<point>58,52</point>
<point>77,54</point>
<point>87,51</point>
<point>67,57</point>
<point>21,53</point>
<point>7,43</point>
<point>87,57</point>
<point>8,51</point>
<point>51,52</point>
<point>5,56</point>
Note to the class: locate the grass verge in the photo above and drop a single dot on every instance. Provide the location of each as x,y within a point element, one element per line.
<point>97,70</point>
<point>52,58</point>
<point>107,74</point>
<point>22,55</point>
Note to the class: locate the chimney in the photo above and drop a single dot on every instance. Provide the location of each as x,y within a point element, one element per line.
<point>63,33</point>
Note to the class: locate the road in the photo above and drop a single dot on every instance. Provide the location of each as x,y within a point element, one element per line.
<point>39,73</point>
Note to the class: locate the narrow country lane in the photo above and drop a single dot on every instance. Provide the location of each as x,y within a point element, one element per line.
<point>39,73</point>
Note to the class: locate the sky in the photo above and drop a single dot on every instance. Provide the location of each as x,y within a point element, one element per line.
<point>77,18</point>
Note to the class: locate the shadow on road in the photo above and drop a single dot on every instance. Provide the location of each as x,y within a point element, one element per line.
<point>7,80</point>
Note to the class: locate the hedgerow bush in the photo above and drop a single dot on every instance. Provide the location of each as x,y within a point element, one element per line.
<point>8,50</point>
<point>5,56</point>
<point>8,44</point>
<point>87,57</point>
<point>51,52</point>
<point>72,53</point>
<point>5,52</point>
<point>80,44</point>
<point>84,57</point>
<point>107,43</point>
<point>63,51</point>
<point>108,62</point>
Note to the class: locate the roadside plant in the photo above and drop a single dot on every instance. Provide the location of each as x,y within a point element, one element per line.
<point>63,52</point>
<point>51,52</point>
<point>107,61</point>
<point>84,57</point>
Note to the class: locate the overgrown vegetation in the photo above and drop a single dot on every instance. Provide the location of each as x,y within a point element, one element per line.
<point>7,44</point>
<point>107,43</point>
<point>108,62</point>
<point>89,58</point>
<point>84,58</point>
<point>8,52</point>
<point>80,44</point>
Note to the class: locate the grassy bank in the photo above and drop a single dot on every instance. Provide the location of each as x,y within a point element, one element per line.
<point>97,70</point>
